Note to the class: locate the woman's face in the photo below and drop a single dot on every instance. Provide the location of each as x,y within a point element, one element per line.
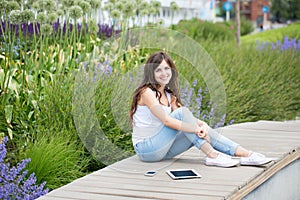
<point>163,73</point>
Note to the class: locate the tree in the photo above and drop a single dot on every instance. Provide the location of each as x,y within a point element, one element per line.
<point>285,9</point>
<point>238,22</point>
<point>294,9</point>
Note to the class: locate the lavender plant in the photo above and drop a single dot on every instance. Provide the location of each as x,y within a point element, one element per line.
<point>34,29</point>
<point>287,44</point>
<point>201,105</point>
<point>14,182</point>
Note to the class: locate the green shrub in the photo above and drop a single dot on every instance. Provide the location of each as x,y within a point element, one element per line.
<point>204,30</point>
<point>246,26</point>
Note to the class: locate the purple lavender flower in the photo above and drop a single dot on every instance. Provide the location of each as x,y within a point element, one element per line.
<point>13,181</point>
<point>195,83</point>
<point>221,122</point>
<point>104,30</point>
<point>108,70</point>
<point>287,44</point>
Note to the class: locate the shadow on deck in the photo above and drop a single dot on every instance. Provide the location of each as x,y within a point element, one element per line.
<point>276,180</point>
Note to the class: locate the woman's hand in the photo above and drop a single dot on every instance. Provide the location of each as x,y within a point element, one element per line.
<point>202,131</point>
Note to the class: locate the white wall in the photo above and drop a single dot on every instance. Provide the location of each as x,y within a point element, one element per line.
<point>187,10</point>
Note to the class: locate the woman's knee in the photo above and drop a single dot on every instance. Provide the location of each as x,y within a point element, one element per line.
<point>183,113</point>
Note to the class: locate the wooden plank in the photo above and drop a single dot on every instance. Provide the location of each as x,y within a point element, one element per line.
<point>96,193</point>
<point>79,195</point>
<point>150,182</point>
<point>48,197</point>
<point>126,180</point>
<point>293,126</point>
<point>132,189</point>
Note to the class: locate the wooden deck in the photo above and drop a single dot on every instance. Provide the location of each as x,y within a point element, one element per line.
<point>125,179</point>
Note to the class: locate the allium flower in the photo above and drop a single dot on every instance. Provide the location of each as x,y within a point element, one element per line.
<point>151,10</point>
<point>52,17</point>
<point>174,6</point>
<point>92,26</point>
<point>3,7</point>
<point>144,12</point>
<point>75,12</point>
<point>129,8</point>
<point>13,181</point>
<point>156,5</point>
<point>35,6</point>
<point>46,29</point>
<point>108,6</point>
<point>119,5</point>
<point>95,3</point>
<point>60,12</point>
<point>12,5</point>
<point>68,3</point>
<point>28,16</point>
<point>85,6</point>
<point>115,13</point>
<point>42,18</point>
<point>48,5</point>
<point>15,16</point>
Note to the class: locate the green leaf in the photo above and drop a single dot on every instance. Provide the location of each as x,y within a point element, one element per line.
<point>10,133</point>
<point>8,113</point>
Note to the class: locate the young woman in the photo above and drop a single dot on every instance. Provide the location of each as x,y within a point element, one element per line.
<point>164,128</point>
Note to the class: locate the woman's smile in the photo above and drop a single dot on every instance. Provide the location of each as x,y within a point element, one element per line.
<point>163,73</point>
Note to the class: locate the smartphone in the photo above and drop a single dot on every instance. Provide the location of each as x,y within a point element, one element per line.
<point>150,173</point>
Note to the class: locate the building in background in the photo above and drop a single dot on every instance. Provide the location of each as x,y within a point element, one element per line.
<point>202,9</point>
<point>187,9</point>
<point>253,9</point>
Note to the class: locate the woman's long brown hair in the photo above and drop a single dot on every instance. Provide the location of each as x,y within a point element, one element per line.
<point>149,80</point>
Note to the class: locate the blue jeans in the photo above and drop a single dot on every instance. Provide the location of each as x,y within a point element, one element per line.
<point>168,142</point>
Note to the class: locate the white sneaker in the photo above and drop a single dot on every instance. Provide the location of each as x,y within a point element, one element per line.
<point>221,160</point>
<point>255,159</point>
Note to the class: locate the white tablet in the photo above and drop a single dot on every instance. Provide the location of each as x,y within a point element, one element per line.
<point>183,173</point>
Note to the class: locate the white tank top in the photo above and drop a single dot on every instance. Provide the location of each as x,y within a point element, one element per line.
<point>145,124</point>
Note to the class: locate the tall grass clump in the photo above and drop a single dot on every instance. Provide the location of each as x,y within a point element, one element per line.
<point>259,84</point>
<point>56,158</point>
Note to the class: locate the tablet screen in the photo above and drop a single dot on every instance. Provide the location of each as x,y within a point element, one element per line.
<point>183,173</point>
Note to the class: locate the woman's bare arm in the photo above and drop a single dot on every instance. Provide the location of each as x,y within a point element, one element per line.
<point>148,98</point>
